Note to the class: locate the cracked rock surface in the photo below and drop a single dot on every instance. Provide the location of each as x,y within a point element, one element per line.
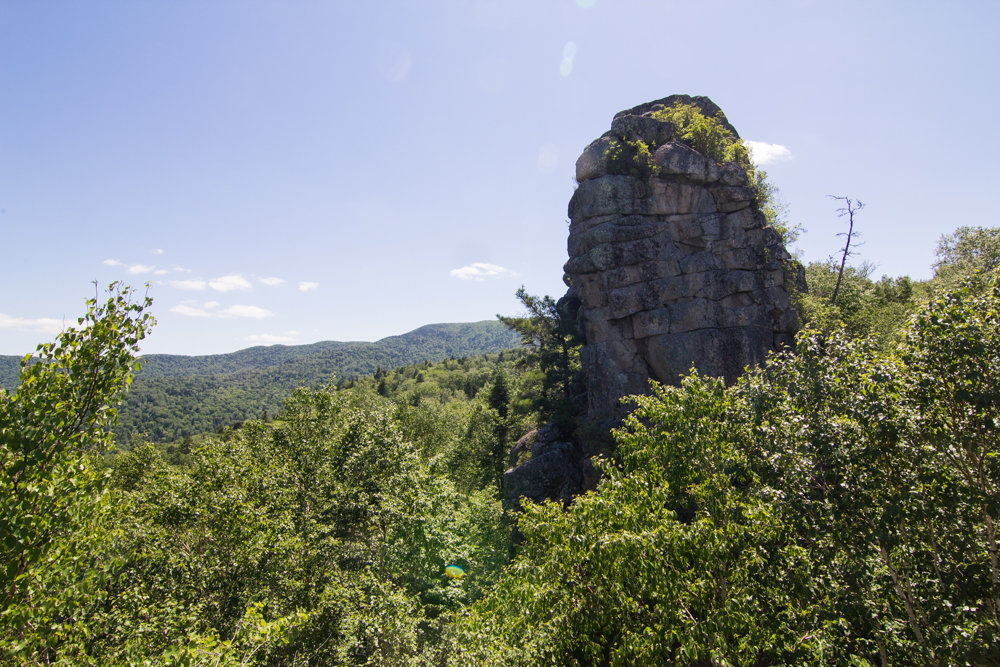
<point>671,262</point>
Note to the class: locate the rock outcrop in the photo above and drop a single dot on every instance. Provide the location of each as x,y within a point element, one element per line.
<point>671,261</point>
<point>553,472</point>
<point>671,267</point>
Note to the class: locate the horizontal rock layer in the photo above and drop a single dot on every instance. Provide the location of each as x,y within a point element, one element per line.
<point>671,262</point>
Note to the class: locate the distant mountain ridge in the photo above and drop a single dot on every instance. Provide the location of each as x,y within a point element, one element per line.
<point>178,395</point>
<point>440,340</point>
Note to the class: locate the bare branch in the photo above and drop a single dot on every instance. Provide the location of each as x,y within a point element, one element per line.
<point>851,206</point>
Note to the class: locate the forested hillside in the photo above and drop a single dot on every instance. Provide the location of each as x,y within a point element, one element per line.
<point>173,396</point>
<point>10,368</point>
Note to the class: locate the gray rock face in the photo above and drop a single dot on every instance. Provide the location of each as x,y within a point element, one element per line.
<point>671,262</point>
<point>553,473</point>
<point>671,267</point>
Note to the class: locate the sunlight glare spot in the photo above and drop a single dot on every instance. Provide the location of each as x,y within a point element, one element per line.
<point>394,62</point>
<point>548,159</point>
<point>569,53</point>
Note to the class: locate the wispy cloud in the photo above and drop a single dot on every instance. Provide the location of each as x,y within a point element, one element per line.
<point>111,262</point>
<point>254,312</point>
<point>44,325</point>
<point>157,251</point>
<point>137,269</point>
<point>211,309</point>
<point>763,153</point>
<point>189,311</point>
<point>229,283</point>
<point>190,285</point>
<point>272,281</point>
<point>271,339</point>
<point>480,271</point>
<point>306,285</point>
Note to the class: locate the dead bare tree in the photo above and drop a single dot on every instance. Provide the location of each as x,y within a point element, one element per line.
<point>851,206</point>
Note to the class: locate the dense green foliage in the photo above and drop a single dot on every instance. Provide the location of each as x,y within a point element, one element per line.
<point>319,538</point>
<point>330,528</point>
<point>864,307</point>
<point>967,250</point>
<point>465,412</point>
<point>552,341</point>
<point>706,134</point>
<point>175,396</point>
<point>53,504</point>
<point>837,506</point>
<point>879,309</point>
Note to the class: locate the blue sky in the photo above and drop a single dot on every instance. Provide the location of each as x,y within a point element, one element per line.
<point>288,172</point>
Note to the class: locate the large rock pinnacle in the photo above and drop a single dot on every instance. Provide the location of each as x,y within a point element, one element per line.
<point>671,261</point>
<point>671,267</point>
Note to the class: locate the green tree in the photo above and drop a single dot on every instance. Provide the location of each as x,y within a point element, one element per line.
<point>864,307</point>
<point>952,353</point>
<point>553,340</point>
<point>966,251</point>
<point>500,397</point>
<point>52,498</point>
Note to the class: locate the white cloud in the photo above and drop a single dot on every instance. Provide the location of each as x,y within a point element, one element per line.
<point>136,269</point>
<point>763,153</point>
<point>180,269</point>
<point>189,311</point>
<point>160,272</point>
<point>208,309</point>
<point>269,339</point>
<point>254,312</point>
<point>479,271</point>
<point>157,251</point>
<point>229,283</point>
<point>306,285</point>
<point>193,285</point>
<point>272,281</point>
<point>44,325</point>
<point>111,262</point>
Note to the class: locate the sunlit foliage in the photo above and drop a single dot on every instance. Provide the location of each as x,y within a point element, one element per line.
<point>53,504</point>
<point>837,506</point>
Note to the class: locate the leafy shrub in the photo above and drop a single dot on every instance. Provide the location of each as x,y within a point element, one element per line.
<point>836,506</point>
